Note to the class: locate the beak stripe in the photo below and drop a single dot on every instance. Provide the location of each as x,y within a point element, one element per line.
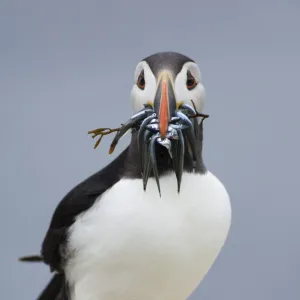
<point>164,110</point>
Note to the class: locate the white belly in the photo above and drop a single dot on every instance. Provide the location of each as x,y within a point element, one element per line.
<point>134,245</point>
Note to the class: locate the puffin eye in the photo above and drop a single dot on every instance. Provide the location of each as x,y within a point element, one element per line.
<point>190,81</point>
<point>141,81</point>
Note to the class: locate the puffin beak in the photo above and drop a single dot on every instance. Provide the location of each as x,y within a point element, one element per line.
<point>164,102</point>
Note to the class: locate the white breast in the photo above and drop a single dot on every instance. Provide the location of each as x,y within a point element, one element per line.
<point>134,245</point>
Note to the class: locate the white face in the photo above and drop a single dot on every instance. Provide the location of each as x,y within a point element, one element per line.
<point>185,92</point>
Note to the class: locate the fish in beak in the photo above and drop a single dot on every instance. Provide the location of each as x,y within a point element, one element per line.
<point>166,122</point>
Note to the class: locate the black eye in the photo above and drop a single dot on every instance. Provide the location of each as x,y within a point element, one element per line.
<point>190,81</point>
<point>141,81</point>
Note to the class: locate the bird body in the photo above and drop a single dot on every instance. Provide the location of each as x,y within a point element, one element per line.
<point>136,245</point>
<point>151,223</point>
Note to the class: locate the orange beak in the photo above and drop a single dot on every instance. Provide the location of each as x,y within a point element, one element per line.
<point>164,102</point>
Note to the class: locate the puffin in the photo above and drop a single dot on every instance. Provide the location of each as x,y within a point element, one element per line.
<point>150,224</point>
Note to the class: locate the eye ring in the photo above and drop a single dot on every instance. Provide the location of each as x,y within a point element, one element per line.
<point>141,81</point>
<point>190,81</point>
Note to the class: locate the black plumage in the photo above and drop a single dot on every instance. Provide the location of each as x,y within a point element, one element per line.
<point>172,61</point>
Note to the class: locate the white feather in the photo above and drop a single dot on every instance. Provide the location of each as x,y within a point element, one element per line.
<point>140,97</point>
<point>134,245</point>
<point>197,94</point>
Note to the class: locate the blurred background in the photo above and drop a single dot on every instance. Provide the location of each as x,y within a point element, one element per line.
<point>66,67</point>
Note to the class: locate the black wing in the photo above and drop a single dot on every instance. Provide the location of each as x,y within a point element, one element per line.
<point>55,290</point>
<point>79,199</point>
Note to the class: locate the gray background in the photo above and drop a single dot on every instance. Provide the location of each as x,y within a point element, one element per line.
<point>67,67</point>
